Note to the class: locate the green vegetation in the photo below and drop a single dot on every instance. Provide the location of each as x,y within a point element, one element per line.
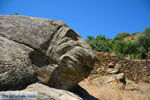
<point>100,43</point>
<point>127,49</point>
<point>138,48</point>
<point>144,41</point>
<point>121,36</point>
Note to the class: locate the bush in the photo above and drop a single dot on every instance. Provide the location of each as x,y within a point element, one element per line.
<point>121,36</point>
<point>100,43</point>
<point>133,49</point>
<point>144,40</point>
<point>127,49</point>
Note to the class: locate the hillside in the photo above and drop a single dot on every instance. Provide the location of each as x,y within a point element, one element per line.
<point>135,70</point>
<point>133,36</point>
<point>125,45</point>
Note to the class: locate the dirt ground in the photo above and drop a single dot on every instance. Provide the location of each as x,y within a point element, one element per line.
<point>140,91</point>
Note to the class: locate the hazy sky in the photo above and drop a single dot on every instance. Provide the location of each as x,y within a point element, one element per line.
<point>87,17</point>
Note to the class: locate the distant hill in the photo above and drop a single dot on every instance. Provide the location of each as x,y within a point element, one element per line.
<point>133,36</point>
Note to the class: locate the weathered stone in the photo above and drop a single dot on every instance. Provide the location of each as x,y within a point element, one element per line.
<point>120,76</point>
<point>39,92</point>
<point>117,81</point>
<point>112,70</point>
<point>117,65</point>
<point>41,50</point>
<point>111,65</point>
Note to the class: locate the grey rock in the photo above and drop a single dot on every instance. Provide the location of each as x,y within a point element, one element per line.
<point>39,92</point>
<point>116,77</point>
<point>111,65</point>
<point>41,50</point>
<point>117,81</point>
<point>112,70</point>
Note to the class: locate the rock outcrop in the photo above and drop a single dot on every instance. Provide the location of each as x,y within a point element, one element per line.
<point>41,50</point>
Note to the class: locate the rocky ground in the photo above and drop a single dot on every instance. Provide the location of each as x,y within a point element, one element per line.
<point>135,70</point>
<point>113,78</point>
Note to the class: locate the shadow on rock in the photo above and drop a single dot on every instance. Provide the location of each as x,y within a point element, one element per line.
<point>83,93</point>
<point>39,59</point>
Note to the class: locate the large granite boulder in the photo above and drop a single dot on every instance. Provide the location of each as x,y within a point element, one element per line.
<point>41,50</point>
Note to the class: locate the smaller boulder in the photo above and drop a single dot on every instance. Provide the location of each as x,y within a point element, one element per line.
<point>112,70</point>
<point>117,81</point>
<point>111,65</point>
<point>39,91</point>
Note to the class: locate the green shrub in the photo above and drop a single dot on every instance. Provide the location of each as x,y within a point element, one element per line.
<point>121,36</point>
<point>100,43</point>
<point>132,49</point>
<point>127,49</point>
<point>144,40</point>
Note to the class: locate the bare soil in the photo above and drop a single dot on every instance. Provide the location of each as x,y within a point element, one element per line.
<point>142,92</point>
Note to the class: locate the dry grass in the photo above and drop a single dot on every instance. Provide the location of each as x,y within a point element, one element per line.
<point>108,93</point>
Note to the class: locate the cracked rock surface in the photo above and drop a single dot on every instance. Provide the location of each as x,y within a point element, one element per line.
<point>41,50</point>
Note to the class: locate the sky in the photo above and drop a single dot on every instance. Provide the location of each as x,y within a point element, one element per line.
<point>87,17</point>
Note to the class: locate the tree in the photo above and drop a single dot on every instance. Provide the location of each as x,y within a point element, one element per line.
<point>91,41</point>
<point>121,36</point>
<point>90,38</point>
<point>100,43</point>
<point>144,40</point>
